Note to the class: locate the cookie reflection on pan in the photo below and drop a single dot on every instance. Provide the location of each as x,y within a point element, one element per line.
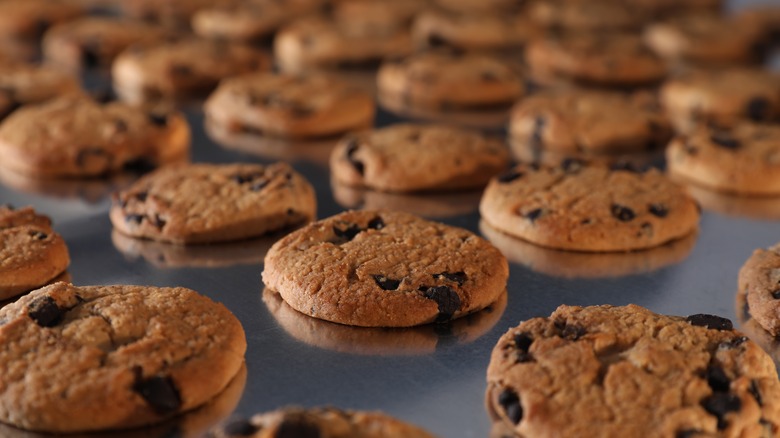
<point>754,331</point>
<point>428,205</point>
<point>91,190</point>
<point>733,205</point>
<point>192,424</point>
<point>484,118</point>
<point>166,255</point>
<point>524,152</point>
<point>381,341</point>
<point>573,264</point>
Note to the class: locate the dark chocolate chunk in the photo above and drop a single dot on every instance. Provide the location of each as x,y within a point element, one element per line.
<point>687,433</point>
<point>658,210</point>
<point>571,165</point>
<point>258,185</point>
<point>348,233</point>
<point>157,221</point>
<point>436,40</point>
<point>710,321</point>
<point>624,166</point>
<point>38,235</point>
<point>158,119</point>
<point>141,196</point>
<point>776,294</point>
<point>758,109</point>
<point>458,277</point>
<point>724,140</point>
<point>376,223</point>
<point>352,147</point>
<point>719,404</point>
<point>386,283</point>
<point>240,427</point>
<point>139,165</point>
<point>509,176</point>
<point>572,332</point>
<point>297,428</point>
<point>717,379</point>
<point>447,300</point>
<point>622,213</point>
<point>509,400</point>
<point>244,178</point>
<point>523,342</point>
<point>159,392</point>
<point>45,311</point>
<point>754,391</point>
<point>533,215</point>
<point>136,218</point>
<point>40,26</point>
<point>90,57</point>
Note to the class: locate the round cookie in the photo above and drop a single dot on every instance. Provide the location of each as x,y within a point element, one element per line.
<point>109,357</point>
<point>31,253</point>
<point>169,13</point>
<point>759,287</point>
<point>619,60</point>
<point>95,41</point>
<point>179,68</point>
<point>582,207</point>
<point>478,32</point>
<point>289,105</point>
<point>319,422</point>
<point>250,20</point>
<point>25,19</point>
<point>447,79</point>
<point>387,16</point>
<point>74,136</point>
<point>408,157</point>
<point>586,15</point>
<point>385,269</point>
<point>721,97</point>
<point>626,371</point>
<point>744,159</point>
<point>205,203</point>
<point>584,123</point>
<point>21,84</point>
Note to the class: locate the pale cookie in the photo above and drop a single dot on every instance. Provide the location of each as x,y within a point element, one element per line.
<point>289,106</point>
<point>31,253</point>
<point>408,157</point>
<point>626,371</point>
<point>385,269</point>
<point>447,79</point>
<point>204,203</point>
<point>78,137</point>
<point>479,32</point>
<point>21,84</point>
<point>759,287</point>
<point>30,18</point>
<point>579,207</point>
<point>251,20</point>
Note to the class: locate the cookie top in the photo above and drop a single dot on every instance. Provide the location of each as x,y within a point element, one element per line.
<point>624,371</point>
<point>583,207</point>
<point>178,68</point>
<point>497,31</point>
<point>75,136</point>
<point>595,58</point>
<point>320,422</point>
<point>377,16</point>
<point>202,203</point>
<point>384,269</point>
<point>759,287</point>
<point>409,157</point>
<point>586,15</point>
<point>722,97</point>
<point>148,353</point>
<point>744,159</point>
<point>95,41</point>
<point>443,79</point>
<point>30,18</point>
<point>21,84</point>
<point>249,20</point>
<point>289,105</point>
<point>31,253</point>
<point>582,121</point>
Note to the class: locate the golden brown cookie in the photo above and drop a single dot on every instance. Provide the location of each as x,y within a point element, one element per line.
<point>249,20</point>
<point>29,19</point>
<point>22,84</point>
<point>759,287</point>
<point>468,31</point>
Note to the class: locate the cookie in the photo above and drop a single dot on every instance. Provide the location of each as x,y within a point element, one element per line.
<point>149,353</point>
<point>180,68</point>
<point>759,285</point>
<point>169,13</point>
<point>708,39</point>
<point>765,18</point>
<point>249,21</point>
<point>449,79</point>
<point>384,269</point>
<point>315,43</point>
<point>575,206</point>
<point>409,157</point>
<point>21,84</point>
<point>292,106</point>
<point>604,59</point>
<point>721,97</point>
<point>79,137</point>
<point>29,19</point>
<point>586,15</point>
<point>321,422</point>
<point>206,203</point>
<point>478,32</point>
<point>31,253</point>
<point>626,371</point>
<point>95,41</point>
<point>372,17</point>
<point>744,159</point>
<point>588,123</point>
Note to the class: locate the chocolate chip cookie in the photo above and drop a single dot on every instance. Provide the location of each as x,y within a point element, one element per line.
<point>31,253</point>
<point>75,136</point>
<point>29,19</point>
<point>744,159</point>
<point>449,79</point>
<point>409,157</point>
<point>249,20</point>
<point>479,32</point>
<point>180,68</point>
<point>21,84</point>
<point>205,203</point>
<point>625,371</point>
<point>384,269</point>
<point>109,357</point>
<point>759,287</point>
<point>319,422</point>
<point>582,207</point>
<point>291,106</point>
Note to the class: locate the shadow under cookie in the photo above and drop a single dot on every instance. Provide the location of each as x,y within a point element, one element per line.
<point>91,190</point>
<point>754,207</point>
<point>382,341</point>
<point>572,264</point>
<point>756,333</point>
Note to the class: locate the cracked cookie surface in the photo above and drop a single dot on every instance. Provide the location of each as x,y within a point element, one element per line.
<point>582,207</point>
<point>759,287</point>
<point>625,371</point>
<point>385,269</point>
<point>202,203</point>
<point>108,357</point>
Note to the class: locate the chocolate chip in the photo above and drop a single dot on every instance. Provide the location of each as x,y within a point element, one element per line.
<point>572,332</point>
<point>509,400</point>
<point>719,404</point>
<point>297,428</point>
<point>724,140</point>
<point>623,166</point>
<point>533,214</point>
<point>37,235</point>
<point>90,57</point>
<point>523,342</point>
<point>717,379</point>
<point>157,221</point>
<point>386,283</point>
<point>658,210</point>
<point>45,311</point>
<point>244,178</point>
<point>376,223</point>
<point>436,40</point>
<point>754,391</point>
<point>687,433</point>
<point>158,119</point>
<point>710,321</point>
<point>509,176</point>
<point>622,213</point>
<point>458,277</point>
<point>352,147</point>
<point>758,109</point>
<point>348,233</point>
<point>447,300</point>
<point>240,427</point>
<point>139,165</point>
<point>135,218</point>
<point>41,25</point>
<point>571,165</point>
<point>159,392</point>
